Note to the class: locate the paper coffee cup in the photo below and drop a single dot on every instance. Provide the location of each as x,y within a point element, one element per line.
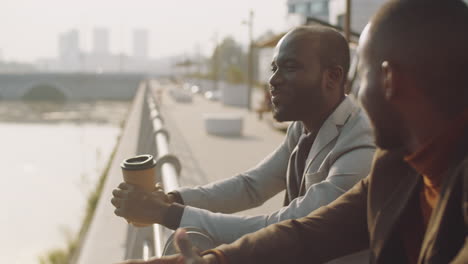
<point>140,171</point>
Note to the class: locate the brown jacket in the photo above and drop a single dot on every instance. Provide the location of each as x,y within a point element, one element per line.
<point>367,216</point>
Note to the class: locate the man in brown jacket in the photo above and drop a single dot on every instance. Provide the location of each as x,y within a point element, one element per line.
<point>413,208</point>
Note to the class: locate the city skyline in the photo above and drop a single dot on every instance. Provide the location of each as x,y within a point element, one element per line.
<point>72,57</point>
<point>175,27</point>
<point>100,43</point>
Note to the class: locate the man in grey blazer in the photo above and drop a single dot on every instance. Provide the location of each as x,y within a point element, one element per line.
<point>326,151</point>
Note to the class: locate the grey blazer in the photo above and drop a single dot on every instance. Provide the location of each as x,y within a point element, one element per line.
<point>340,156</point>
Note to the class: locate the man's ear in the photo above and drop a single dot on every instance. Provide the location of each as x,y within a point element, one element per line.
<point>334,77</point>
<point>388,80</point>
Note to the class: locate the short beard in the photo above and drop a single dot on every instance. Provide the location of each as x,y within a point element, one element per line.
<point>386,141</point>
<point>299,108</point>
<point>278,116</point>
<point>388,133</point>
<point>283,115</point>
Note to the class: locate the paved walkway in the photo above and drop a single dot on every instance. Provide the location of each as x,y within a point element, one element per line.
<point>206,158</point>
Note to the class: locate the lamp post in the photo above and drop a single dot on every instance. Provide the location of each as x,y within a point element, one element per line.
<point>249,23</point>
<point>347,25</point>
<point>215,62</point>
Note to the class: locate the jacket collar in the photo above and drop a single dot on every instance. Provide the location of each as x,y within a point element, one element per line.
<point>331,127</point>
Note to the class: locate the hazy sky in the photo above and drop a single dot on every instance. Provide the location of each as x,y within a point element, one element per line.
<point>29,28</point>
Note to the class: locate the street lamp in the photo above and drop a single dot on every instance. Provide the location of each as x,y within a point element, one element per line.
<point>249,23</point>
<point>347,25</point>
<point>215,63</point>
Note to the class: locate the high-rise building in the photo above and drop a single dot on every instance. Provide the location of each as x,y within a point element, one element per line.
<point>361,12</point>
<point>140,43</point>
<point>69,51</point>
<point>309,8</point>
<point>69,44</point>
<point>333,11</point>
<point>101,41</point>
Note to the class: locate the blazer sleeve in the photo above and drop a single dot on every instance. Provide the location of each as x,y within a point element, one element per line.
<point>343,175</point>
<point>249,189</point>
<point>332,231</point>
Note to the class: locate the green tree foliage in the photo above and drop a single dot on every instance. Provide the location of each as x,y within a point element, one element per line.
<point>235,74</point>
<point>229,61</point>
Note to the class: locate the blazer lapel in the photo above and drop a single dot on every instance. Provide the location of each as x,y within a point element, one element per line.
<point>329,129</point>
<point>327,133</point>
<point>389,214</point>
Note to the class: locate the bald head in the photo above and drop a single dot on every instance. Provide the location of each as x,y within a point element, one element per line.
<point>332,47</point>
<point>427,39</point>
<point>309,69</point>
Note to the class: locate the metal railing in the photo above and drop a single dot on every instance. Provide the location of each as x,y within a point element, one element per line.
<point>167,166</point>
<point>157,240</point>
<point>153,139</point>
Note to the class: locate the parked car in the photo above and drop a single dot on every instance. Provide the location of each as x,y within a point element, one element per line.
<point>213,95</point>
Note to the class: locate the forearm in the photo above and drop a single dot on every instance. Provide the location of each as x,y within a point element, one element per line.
<point>226,228</point>
<point>248,189</point>
<point>223,228</point>
<point>329,232</point>
<point>243,191</point>
<point>235,194</point>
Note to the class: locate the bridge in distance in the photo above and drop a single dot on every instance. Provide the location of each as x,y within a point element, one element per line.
<point>69,86</point>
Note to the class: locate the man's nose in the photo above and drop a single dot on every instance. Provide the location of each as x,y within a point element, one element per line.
<point>275,79</point>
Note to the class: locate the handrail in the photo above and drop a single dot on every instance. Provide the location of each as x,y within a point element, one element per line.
<point>167,169</point>
<point>157,240</point>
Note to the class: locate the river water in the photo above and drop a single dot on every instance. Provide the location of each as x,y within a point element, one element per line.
<point>51,156</point>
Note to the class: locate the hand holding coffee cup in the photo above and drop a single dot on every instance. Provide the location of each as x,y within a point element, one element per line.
<point>139,199</point>
<point>139,207</point>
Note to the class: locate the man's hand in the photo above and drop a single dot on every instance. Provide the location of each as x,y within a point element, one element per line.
<point>139,206</point>
<point>188,254</point>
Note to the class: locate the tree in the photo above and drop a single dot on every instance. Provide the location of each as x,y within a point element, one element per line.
<point>229,61</point>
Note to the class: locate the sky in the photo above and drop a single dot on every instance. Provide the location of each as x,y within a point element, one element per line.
<point>29,29</point>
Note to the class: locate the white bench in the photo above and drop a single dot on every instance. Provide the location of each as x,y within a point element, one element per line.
<point>223,124</point>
